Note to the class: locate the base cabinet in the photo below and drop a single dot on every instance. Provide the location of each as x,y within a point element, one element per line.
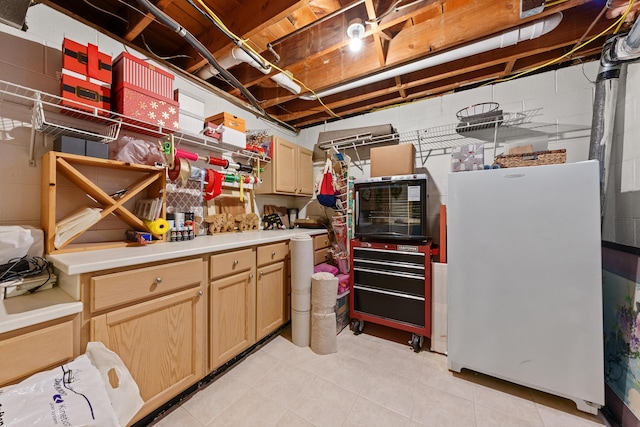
<point>270,299</point>
<point>232,305</point>
<point>161,339</point>
<point>37,348</point>
<point>271,288</point>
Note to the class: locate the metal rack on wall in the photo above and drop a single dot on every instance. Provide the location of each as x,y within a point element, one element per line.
<point>54,115</point>
<point>440,139</point>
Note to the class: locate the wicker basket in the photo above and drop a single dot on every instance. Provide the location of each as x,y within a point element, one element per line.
<point>537,158</point>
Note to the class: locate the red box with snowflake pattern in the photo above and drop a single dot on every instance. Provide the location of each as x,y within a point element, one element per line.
<point>144,112</point>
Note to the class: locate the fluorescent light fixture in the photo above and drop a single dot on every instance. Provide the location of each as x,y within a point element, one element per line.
<point>508,38</point>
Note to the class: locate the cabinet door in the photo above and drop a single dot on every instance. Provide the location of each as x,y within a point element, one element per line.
<point>269,298</point>
<point>160,341</point>
<point>232,316</point>
<point>305,172</point>
<point>36,348</point>
<point>285,164</point>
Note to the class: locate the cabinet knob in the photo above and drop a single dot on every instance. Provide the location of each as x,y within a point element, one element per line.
<point>200,293</point>
<point>273,253</point>
<point>158,279</point>
<point>261,273</point>
<point>235,262</point>
<point>250,275</point>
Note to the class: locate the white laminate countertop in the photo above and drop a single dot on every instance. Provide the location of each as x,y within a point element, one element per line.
<point>102,259</point>
<point>26,310</point>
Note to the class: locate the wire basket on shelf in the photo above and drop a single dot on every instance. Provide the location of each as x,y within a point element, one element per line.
<point>479,116</point>
<point>537,158</point>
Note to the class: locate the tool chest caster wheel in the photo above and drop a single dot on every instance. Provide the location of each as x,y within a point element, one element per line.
<point>416,342</point>
<point>357,326</point>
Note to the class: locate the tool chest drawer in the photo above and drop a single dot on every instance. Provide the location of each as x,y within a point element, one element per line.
<point>391,285</point>
<point>110,290</point>
<point>389,305</point>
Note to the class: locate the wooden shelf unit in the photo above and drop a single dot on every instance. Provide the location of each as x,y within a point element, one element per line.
<point>55,164</point>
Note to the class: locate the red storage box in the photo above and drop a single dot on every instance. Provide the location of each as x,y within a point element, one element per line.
<point>86,60</point>
<point>84,95</point>
<point>157,114</point>
<point>135,72</point>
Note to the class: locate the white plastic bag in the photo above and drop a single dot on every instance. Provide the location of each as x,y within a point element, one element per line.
<point>15,242</point>
<point>134,150</point>
<point>77,394</point>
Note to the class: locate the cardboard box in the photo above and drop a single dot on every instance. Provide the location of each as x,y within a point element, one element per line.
<point>147,78</point>
<point>229,121</point>
<point>69,144</point>
<point>86,60</point>
<point>393,160</point>
<point>212,130</point>
<point>190,124</point>
<point>190,104</point>
<point>97,149</point>
<point>146,110</point>
<point>86,96</point>
<point>233,139</point>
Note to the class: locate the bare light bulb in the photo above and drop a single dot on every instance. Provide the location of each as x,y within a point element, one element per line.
<point>355,31</point>
<point>355,44</point>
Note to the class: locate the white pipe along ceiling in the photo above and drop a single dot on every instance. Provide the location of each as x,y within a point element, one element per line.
<point>237,56</point>
<point>508,38</point>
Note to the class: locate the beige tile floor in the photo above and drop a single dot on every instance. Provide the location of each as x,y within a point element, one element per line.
<point>374,379</point>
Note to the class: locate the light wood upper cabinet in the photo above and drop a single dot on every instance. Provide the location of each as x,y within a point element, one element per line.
<point>290,171</point>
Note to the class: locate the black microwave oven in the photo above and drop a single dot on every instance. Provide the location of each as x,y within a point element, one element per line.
<point>391,208</point>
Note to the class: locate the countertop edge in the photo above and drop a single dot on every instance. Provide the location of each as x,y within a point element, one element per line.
<point>28,310</point>
<point>90,261</point>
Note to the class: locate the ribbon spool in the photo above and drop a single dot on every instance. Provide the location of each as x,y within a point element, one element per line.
<point>181,171</point>
<point>214,184</point>
<point>157,226</point>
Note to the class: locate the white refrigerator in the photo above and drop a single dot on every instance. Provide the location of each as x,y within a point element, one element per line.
<point>525,278</point>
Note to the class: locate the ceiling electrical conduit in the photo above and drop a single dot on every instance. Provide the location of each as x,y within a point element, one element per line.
<point>197,45</point>
<point>508,38</point>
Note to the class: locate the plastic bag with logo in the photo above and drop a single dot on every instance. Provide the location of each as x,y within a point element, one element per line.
<point>78,393</point>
